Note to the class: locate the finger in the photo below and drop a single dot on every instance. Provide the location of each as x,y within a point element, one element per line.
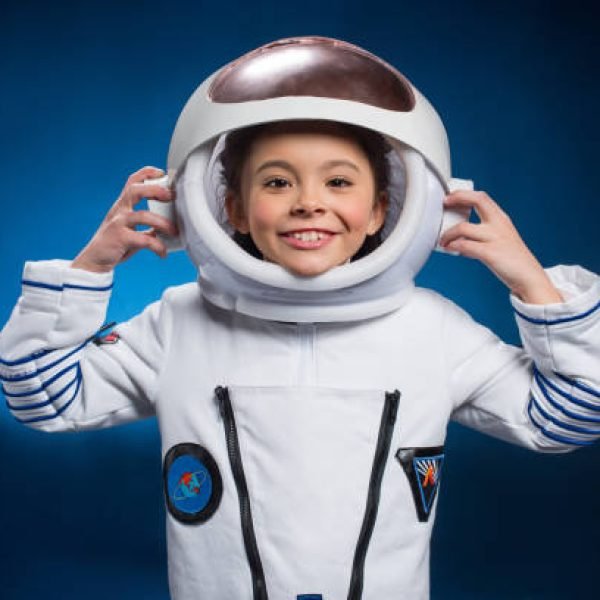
<point>484,206</point>
<point>127,199</point>
<point>471,231</point>
<point>157,222</point>
<point>469,248</point>
<point>135,192</point>
<point>145,173</point>
<point>155,244</point>
<point>139,240</point>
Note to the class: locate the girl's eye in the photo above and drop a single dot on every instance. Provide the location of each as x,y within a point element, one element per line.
<point>276,182</point>
<point>339,182</point>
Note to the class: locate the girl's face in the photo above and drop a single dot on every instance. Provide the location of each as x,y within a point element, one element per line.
<point>308,200</point>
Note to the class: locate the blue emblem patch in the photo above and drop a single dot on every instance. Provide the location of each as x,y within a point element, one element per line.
<point>192,483</point>
<point>423,467</point>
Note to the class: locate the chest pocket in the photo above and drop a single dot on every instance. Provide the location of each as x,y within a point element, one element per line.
<point>307,465</point>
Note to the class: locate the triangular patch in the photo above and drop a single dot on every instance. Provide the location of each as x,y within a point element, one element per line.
<point>423,467</point>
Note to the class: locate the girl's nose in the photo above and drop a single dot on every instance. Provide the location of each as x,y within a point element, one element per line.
<point>307,203</point>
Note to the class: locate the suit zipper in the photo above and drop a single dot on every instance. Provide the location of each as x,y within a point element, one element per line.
<point>235,459</point>
<point>386,429</point>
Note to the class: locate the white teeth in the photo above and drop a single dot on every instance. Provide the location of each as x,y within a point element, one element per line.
<point>308,236</point>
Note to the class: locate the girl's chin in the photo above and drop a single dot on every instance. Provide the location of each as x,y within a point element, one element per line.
<point>310,270</point>
<point>307,265</point>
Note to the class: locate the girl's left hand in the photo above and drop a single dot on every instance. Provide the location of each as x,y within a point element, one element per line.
<point>496,243</point>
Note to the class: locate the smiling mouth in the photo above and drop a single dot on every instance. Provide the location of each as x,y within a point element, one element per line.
<point>308,238</point>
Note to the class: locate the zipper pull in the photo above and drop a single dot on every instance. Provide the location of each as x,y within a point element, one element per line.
<point>394,398</point>
<point>221,393</point>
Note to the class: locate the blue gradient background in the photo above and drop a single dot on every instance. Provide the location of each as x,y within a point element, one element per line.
<point>91,92</point>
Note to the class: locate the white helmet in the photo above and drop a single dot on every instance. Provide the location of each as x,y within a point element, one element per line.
<point>310,78</point>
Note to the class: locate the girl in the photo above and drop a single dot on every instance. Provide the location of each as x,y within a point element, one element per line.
<point>302,459</point>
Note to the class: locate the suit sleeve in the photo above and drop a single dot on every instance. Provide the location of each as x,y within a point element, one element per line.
<point>545,395</point>
<point>56,373</point>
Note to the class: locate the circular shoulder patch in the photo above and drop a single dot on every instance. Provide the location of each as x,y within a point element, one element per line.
<point>192,483</point>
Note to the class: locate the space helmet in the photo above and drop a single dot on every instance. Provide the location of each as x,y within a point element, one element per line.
<point>310,78</point>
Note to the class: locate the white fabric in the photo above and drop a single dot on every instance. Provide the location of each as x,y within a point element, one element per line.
<point>308,398</point>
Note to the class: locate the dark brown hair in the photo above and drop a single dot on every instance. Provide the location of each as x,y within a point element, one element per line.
<point>238,145</point>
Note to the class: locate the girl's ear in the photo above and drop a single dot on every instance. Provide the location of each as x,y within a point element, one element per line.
<point>378,213</point>
<point>235,213</point>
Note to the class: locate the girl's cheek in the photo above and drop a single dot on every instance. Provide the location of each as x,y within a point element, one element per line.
<point>358,217</point>
<point>262,215</point>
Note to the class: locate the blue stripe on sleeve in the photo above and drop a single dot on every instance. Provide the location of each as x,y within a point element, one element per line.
<point>543,381</point>
<point>41,370</point>
<point>562,424</point>
<point>45,352</point>
<point>579,386</point>
<point>44,385</point>
<point>65,286</point>
<point>560,320</point>
<point>46,286</point>
<point>58,411</point>
<point>25,359</point>
<point>72,286</point>
<point>555,436</point>
<point>49,400</point>
<point>561,408</point>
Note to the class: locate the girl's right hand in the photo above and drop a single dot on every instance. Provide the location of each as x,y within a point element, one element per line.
<point>117,238</point>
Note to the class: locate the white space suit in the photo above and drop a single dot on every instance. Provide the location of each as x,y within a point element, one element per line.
<point>301,459</point>
<point>303,419</point>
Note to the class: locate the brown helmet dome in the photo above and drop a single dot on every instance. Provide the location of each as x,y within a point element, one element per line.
<point>313,66</point>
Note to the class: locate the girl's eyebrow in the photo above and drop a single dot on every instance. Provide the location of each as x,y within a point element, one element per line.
<point>275,163</point>
<point>340,163</point>
<point>326,165</point>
